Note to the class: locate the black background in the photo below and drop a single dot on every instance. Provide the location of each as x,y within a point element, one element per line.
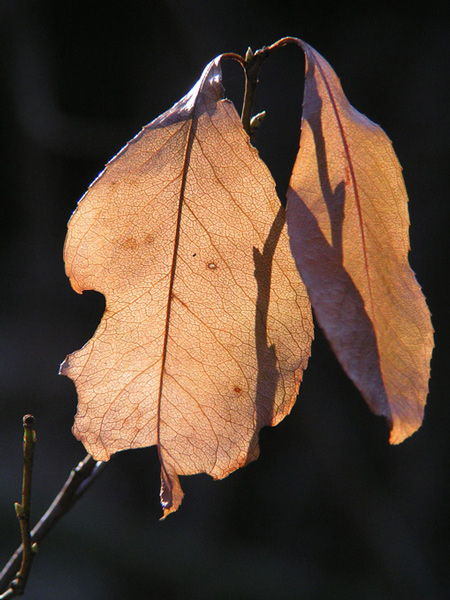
<point>330,510</point>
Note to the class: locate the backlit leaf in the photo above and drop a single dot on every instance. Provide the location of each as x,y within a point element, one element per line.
<point>207,326</point>
<point>348,226</point>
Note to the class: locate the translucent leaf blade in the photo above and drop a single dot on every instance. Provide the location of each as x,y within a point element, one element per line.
<point>207,326</point>
<point>348,226</point>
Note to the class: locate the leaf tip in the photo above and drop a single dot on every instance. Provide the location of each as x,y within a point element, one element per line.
<point>73,282</point>
<point>403,429</point>
<point>171,493</point>
<point>64,367</point>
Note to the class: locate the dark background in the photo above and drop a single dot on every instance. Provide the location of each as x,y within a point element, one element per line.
<point>330,510</point>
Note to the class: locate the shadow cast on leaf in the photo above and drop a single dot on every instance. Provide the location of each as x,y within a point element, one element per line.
<point>338,305</point>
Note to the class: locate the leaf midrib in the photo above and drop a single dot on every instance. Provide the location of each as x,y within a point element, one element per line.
<point>355,187</point>
<point>185,168</point>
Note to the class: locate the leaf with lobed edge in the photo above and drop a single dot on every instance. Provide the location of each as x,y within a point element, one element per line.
<point>207,327</point>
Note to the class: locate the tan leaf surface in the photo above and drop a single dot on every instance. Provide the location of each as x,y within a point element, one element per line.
<point>348,226</point>
<point>207,327</point>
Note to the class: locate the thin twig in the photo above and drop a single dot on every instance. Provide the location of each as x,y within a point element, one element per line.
<point>79,480</point>
<point>253,63</point>
<point>17,586</point>
<point>252,66</point>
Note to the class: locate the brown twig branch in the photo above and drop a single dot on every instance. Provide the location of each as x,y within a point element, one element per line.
<point>17,585</point>
<point>252,66</point>
<point>79,480</point>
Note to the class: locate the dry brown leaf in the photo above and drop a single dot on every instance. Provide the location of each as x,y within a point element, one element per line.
<point>348,225</point>
<point>207,327</point>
